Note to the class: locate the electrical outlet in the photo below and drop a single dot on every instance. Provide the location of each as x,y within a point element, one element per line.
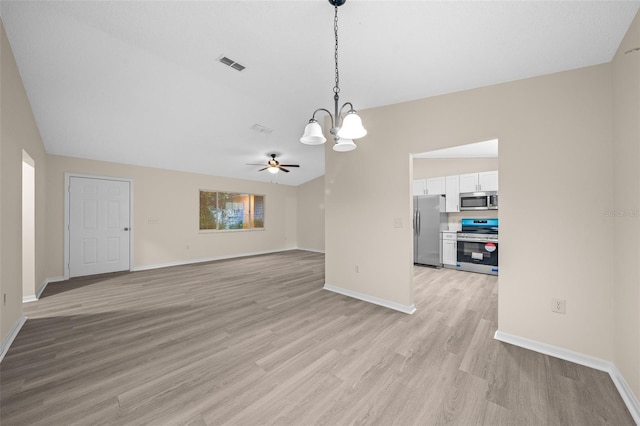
<point>559,306</point>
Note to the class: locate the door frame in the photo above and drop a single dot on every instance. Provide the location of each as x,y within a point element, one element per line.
<point>67,216</point>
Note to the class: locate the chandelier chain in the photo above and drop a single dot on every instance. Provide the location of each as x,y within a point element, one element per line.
<point>336,88</point>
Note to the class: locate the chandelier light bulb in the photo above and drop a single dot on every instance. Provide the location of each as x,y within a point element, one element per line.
<point>313,134</point>
<point>352,127</point>
<point>344,145</point>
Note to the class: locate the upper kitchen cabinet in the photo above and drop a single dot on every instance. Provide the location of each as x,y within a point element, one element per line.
<point>469,182</point>
<point>430,186</point>
<point>436,186</point>
<point>488,181</point>
<point>483,181</point>
<point>419,186</point>
<point>452,196</point>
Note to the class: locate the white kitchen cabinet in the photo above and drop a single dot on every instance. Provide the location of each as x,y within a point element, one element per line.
<point>452,194</point>
<point>483,181</point>
<point>419,187</point>
<point>449,248</point>
<point>469,182</point>
<point>488,181</point>
<point>430,186</point>
<point>436,186</point>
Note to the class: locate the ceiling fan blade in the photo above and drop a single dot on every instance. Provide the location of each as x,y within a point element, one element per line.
<point>290,165</point>
<point>264,168</point>
<point>283,169</point>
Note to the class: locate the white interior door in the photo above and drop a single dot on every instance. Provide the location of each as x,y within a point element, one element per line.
<point>99,226</point>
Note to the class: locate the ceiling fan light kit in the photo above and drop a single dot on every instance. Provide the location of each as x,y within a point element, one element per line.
<point>273,165</point>
<point>344,130</point>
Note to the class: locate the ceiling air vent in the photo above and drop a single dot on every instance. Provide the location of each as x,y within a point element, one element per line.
<point>261,129</point>
<point>231,63</point>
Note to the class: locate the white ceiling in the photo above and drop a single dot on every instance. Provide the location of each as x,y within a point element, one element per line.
<point>138,82</point>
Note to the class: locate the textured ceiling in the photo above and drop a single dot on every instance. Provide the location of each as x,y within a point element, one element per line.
<point>138,82</point>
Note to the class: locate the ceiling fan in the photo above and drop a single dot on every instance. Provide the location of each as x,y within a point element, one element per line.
<point>273,165</point>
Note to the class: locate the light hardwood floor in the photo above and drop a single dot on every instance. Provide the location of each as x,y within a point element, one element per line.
<point>257,341</point>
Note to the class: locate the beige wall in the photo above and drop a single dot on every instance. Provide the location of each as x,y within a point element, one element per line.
<point>18,132</point>
<point>311,215</point>
<point>626,207</point>
<point>166,212</point>
<point>555,147</point>
<point>435,167</point>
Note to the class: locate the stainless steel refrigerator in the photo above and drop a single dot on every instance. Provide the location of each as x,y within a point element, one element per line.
<point>429,219</point>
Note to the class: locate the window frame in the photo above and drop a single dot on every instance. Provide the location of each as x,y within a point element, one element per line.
<point>251,219</point>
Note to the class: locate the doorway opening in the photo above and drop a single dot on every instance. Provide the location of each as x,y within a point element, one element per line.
<point>448,173</point>
<point>28,228</point>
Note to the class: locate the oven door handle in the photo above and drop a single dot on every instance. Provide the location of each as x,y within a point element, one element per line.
<point>474,240</point>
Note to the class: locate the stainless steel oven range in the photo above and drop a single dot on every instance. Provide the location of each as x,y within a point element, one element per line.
<point>478,246</point>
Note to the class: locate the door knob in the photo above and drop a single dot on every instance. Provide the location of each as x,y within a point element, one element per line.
<point>126,229</point>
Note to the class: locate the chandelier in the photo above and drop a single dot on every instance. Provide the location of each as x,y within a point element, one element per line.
<point>344,130</point>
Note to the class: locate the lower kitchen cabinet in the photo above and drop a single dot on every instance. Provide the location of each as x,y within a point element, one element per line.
<point>449,249</point>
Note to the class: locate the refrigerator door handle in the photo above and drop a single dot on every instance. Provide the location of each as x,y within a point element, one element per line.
<point>419,222</point>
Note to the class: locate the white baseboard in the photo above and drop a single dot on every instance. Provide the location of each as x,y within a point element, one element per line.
<point>626,393</point>
<point>205,259</point>
<point>371,299</point>
<point>543,348</point>
<point>621,384</point>
<point>6,343</point>
<point>35,297</point>
<point>312,250</point>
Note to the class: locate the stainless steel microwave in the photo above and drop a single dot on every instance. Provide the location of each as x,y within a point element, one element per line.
<point>479,200</point>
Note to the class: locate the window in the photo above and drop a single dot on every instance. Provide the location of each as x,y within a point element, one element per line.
<point>229,210</point>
